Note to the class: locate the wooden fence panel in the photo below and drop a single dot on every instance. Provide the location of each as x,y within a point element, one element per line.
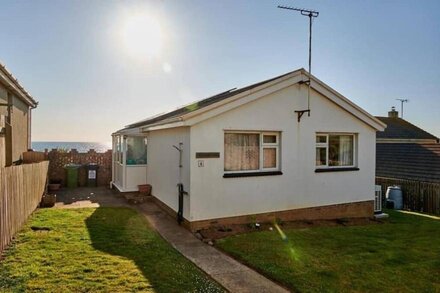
<point>33,157</point>
<point>417,196</point>
<point>2,141</point>
<point>21,189</point>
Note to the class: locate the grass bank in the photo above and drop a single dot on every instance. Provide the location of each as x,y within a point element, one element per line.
<point>400,255</point>
<point>96,250</point>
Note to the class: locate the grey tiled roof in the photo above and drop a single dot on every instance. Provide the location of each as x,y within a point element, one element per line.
<point>398,128</point>
<point>408,161</point>
<point>202,103</point>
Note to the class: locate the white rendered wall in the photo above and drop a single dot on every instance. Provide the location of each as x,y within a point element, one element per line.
<point>163,165</point>
<point>213,196</point>
<point>135,175</point>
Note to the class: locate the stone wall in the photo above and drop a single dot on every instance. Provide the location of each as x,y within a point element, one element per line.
<point>58,159</point>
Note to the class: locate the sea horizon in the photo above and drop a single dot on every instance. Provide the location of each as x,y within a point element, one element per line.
<point>80,146</point>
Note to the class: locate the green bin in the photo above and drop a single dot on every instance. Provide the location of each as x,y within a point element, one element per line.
<point>72,175</point>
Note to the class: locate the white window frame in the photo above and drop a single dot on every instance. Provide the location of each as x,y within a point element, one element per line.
<point>263,145</point>
<point>326,146</point>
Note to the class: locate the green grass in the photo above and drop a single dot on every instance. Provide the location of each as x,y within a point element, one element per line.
<point>96,250</point>
<point>401,255</point>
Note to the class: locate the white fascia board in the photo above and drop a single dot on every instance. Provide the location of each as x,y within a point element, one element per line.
<point>164,126</point>
<point>216,109</point>
<point>347,105</point>
<point>280,84</point>
<point>243,98</point>
<point>186,119</point>
<point>129,132</point>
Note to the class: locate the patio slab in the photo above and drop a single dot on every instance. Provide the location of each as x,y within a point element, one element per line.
<point>88,197</point>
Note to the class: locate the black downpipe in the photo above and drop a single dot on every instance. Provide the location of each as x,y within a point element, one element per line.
<point>180,211</point>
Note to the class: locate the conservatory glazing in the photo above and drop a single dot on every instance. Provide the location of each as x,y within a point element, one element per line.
<point>129,161</point>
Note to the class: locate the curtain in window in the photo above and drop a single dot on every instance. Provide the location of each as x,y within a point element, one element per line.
<point>269,158</point>
<point>346,150</point>
<point>242,151</point>
<point>340,150</point>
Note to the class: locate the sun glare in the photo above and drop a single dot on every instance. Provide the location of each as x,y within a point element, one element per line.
<point>167,67</point>
<point>142,36</point>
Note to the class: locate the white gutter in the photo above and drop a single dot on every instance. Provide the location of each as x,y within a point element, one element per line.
<point>12,83</point>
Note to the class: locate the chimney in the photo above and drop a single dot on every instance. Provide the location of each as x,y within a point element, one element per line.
<point>393,113</point>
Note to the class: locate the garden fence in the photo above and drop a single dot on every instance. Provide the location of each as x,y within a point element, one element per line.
<point>21,190</point>
<point>417,196</point>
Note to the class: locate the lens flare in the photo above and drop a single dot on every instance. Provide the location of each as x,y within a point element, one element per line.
<point>293,253</point>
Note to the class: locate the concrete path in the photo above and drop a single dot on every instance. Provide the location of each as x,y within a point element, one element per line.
<point>228,272</point>
<point>231,274</point>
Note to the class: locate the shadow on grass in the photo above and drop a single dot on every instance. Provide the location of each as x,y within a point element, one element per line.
<point>123,232</point>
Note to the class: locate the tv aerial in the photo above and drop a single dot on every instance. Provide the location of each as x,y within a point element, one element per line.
<point>310,14</point>
<point>401,105</point>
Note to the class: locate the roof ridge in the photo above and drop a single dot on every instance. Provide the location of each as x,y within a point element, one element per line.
<point>418,127</point>
<point>400,128</point>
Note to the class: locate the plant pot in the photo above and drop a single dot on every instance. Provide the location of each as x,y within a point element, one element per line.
<point>145,189</point>
<point>48,200</point>
<point>54,186</point>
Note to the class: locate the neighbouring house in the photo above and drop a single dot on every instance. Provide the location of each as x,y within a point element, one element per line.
<point>16,105</point>
<point>409,157</point>
<point>245,155</point>
<point>405,151</point>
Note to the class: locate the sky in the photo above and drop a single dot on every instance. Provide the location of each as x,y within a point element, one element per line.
<point>96,66</point>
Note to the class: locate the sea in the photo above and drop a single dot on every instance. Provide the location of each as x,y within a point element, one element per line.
<point>82,147</point>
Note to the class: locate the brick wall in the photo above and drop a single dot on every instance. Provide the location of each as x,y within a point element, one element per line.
<point>59,159</point>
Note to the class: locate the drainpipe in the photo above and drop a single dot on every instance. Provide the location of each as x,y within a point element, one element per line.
<point>29,128</point>
<point>30,125</point>
<point>181,190</point>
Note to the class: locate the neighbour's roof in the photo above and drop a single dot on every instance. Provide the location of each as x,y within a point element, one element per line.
<point>411,161</point>
<point>398,128</point>
<point>202,103</point>
<point>7,77</point>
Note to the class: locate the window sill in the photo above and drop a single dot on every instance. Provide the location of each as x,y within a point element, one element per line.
<point>252,174</point>
<point>323,170</point>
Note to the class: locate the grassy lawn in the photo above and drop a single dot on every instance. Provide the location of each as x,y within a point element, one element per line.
<point>401,255</point>
<point>96,250</point>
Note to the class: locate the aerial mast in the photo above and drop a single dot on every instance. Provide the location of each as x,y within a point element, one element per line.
<point>311,14</point>
<point>401,105</point>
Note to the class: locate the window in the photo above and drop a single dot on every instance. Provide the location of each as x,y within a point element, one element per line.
<point>251,151</point>
<point>335,150</point>
<point>136,150</point>
<point>118,149</point>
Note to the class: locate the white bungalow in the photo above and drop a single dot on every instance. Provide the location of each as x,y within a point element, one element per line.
<point>253,154</point>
